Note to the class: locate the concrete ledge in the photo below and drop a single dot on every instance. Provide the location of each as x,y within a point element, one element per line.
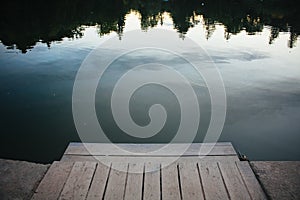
<point>19,179</point>
<point>280,179</point>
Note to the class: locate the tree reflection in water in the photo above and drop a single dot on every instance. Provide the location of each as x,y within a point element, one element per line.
<point>26,22</point>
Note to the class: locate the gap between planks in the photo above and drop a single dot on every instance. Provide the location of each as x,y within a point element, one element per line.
<point>193,180</point>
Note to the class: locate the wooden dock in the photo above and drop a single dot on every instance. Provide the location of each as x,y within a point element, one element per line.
<point>105,172</point>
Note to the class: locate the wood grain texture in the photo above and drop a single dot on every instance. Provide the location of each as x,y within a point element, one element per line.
<point>190,181</point>
<point>152,181</point>
<point>134,185</point>
<point>53,182</point>
<point>233,181</point>
<point>99,182</point>
<point>78,183</point>
<point>170,183</point>
<point>157,159</point>
<point>117,181</point>
<point>212,181</point>
<point>195,149</point>
<point>124,176</point>
<point>250,181</point>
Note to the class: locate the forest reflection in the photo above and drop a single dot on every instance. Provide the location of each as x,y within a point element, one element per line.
<point>26,22</point>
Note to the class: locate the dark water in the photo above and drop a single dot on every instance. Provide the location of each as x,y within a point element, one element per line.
<point>253,44</point>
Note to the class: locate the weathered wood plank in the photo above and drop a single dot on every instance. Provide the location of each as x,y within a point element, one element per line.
<point>233,181</point>
<point>98,185</point>
<point>152,189</point>
<point>79,181</point>
<point>213,185</point>
<point>195,149</point>
<point>53,182</point>
<point>190,181</point>
<point>117,174</point>
<point>117,181</point>
<point>135,182</point>
<point>250,180</point>
<point>170,183</point>
<point>109,159</point>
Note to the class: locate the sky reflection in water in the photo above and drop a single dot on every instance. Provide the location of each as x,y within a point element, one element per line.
<point>261,80</point>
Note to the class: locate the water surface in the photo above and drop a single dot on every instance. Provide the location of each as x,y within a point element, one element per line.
<point>252,43</point>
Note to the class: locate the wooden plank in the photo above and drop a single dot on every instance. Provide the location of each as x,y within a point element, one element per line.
<point>99,182</point>
<point>195,149</point>
<point>190,181</point>
<point>233,181</point>
<point>79,181</point>
<point>110,159</point>
<point>250,180</point>
<point>135,182</point>
<point>170,183</point>
<point>189,177</point>
<point>116,181</point>
<point>53,182</point>
<point>152,190</point>
<point>213,185</point>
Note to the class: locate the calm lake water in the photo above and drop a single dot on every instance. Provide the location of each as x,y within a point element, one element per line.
<point>252,43</point>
